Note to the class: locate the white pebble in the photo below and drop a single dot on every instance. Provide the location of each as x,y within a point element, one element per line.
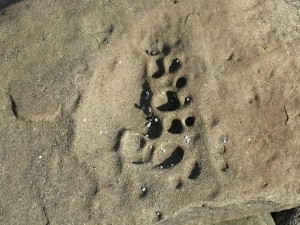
<point>143,189</point>
<point>40,157</point>
<point>187,139</point>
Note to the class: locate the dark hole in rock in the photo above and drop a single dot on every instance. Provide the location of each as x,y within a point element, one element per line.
<point>161,69</point>
<point>172,104</point>
<point>175,65</point>
<point>187,101</point>
<point>166,50</point>
<point>173,160</point>
<point>195,172</point>
<point>145,99</point>
<point>181,82</point>
<point>154,127</point>
<point>176,127</point>
<point>179,185</point>
<point>190,121</point>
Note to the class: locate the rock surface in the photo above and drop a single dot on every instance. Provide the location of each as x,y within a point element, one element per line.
<point>208,90</point>
<point>265,219</point>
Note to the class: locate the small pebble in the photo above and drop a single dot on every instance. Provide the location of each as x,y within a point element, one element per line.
<point>187,139</point>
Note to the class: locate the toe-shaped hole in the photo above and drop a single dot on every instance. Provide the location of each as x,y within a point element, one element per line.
<point>195,171</point>
<point>181,82</point>
<point>172,104</point>
<point>175,66</point>
<point>176,127</point>
<point>190,121</point>
<point>173,159</point>
<point>161,69</point>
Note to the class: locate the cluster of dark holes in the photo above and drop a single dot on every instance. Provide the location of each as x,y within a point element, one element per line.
<point>173,103</point>
<point>177,127</point>
<point>174,67</point>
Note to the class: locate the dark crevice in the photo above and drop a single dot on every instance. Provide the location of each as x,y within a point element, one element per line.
<point>118,139</point>
<point>195,172</point>
<point>286,114</point>
<point>190,121</point>
<point>225,167</point>
<point>46,215</point>
<point>181,82</point>
<point>5,3</point>
<point>161,69</point>
<point>287,217</point>
<point>173,159</point>
<point>175,66</point>
<point>172,104</point>
<point>13,107</point>
<point>176,127</point>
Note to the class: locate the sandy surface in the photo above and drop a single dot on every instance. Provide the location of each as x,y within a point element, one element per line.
<point>143,112</point>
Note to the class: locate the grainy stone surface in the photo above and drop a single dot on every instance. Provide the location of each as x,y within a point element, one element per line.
<point>142,112</point>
